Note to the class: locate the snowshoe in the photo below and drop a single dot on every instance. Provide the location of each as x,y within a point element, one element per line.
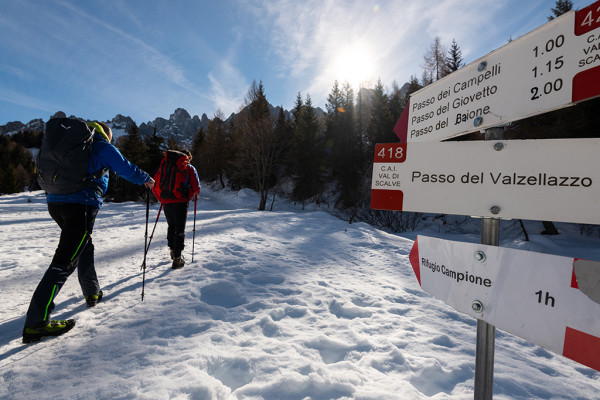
<point>93,299</point>
<point>54,328</point>
<point>178,262</point>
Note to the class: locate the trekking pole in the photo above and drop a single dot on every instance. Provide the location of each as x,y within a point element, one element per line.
<point>194,230</point>
<point>146,240</point>
<point>155,222</point>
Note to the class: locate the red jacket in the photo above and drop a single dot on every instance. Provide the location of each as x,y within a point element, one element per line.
<point>192,183</point>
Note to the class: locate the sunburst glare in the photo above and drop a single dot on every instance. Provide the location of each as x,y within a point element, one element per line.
<point>354,64</point>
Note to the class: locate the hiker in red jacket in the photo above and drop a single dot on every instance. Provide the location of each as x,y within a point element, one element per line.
<point>176,183</point>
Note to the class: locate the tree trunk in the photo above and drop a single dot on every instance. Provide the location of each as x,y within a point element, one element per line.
<point>524,230</point>
<point>549,228</point>
<point>263,201</point>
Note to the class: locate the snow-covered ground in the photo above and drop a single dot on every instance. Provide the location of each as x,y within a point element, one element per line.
<point>289,304</point>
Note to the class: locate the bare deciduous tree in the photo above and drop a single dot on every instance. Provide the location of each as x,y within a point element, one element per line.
<point>435,60</point>
<point>258,145</point>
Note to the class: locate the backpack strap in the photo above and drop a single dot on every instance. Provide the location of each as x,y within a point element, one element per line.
<point>91,183</point>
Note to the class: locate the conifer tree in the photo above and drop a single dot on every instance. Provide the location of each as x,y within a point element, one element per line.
<point>155,151</point>
<point>337,113</point>
<point>10,183</point>
<point>561,7</point>
<point>307,151</point>
<point>283,129</point>
<point>17,165</point>
<point>454,60</point>
<point>198,142</point>
<point>380,128</point>
<point>396,101</point>
<point>294,161</point>
<point>23,177</point>
<point>196,150</point>
<point>133,149</point>
<point>346,159</point>
<point>413,86</point>
<point>214,151</point>
<point>350,176</point>
<point>335,109</point>
<point>3,172</point>
<point>132,146</point>
<point>173,144</point>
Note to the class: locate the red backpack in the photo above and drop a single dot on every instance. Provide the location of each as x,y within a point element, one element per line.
<point>172,181</point>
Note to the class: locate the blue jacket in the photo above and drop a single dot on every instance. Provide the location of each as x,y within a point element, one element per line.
<point>104,155</point>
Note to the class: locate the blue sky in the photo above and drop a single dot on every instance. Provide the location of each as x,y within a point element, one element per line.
<point>145,58</point>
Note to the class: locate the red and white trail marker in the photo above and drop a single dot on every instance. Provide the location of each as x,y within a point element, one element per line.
<point>554,66</point>
<point>532,295</point>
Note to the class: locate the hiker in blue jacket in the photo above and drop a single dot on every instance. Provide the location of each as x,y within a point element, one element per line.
<point>75,215</point>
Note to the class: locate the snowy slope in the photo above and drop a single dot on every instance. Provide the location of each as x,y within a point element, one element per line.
<point>287,304</point>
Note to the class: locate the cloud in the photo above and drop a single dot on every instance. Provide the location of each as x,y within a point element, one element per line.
<point>154,58</point>
<point>228,87</point>
<point>23,100</point>
<point>309,37</point>
<point>16,72</point>
<point>295,30</point>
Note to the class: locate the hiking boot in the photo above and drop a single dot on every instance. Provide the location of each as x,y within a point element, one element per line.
<point>172,254</point>
<point>93,299</point>
<point>178,262</point>
<point>54,328</point>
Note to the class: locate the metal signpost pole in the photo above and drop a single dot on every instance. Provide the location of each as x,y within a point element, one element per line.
<point>486,333</point>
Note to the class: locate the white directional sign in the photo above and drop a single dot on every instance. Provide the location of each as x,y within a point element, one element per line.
<point>548,180</point>
<point>532,295</point>
<point>551,67</point>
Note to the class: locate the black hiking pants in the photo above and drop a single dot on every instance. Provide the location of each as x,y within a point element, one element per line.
<point>75,250</point>
<point>176,215</point>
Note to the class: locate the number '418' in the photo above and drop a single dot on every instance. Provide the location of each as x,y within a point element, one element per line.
<point>396,153</point>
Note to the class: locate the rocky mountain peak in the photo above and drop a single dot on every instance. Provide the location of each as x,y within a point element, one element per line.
<point>121,122</point>
<point>180,116</point>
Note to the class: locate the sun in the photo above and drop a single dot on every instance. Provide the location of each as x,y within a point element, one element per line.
<point>354,64</point>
